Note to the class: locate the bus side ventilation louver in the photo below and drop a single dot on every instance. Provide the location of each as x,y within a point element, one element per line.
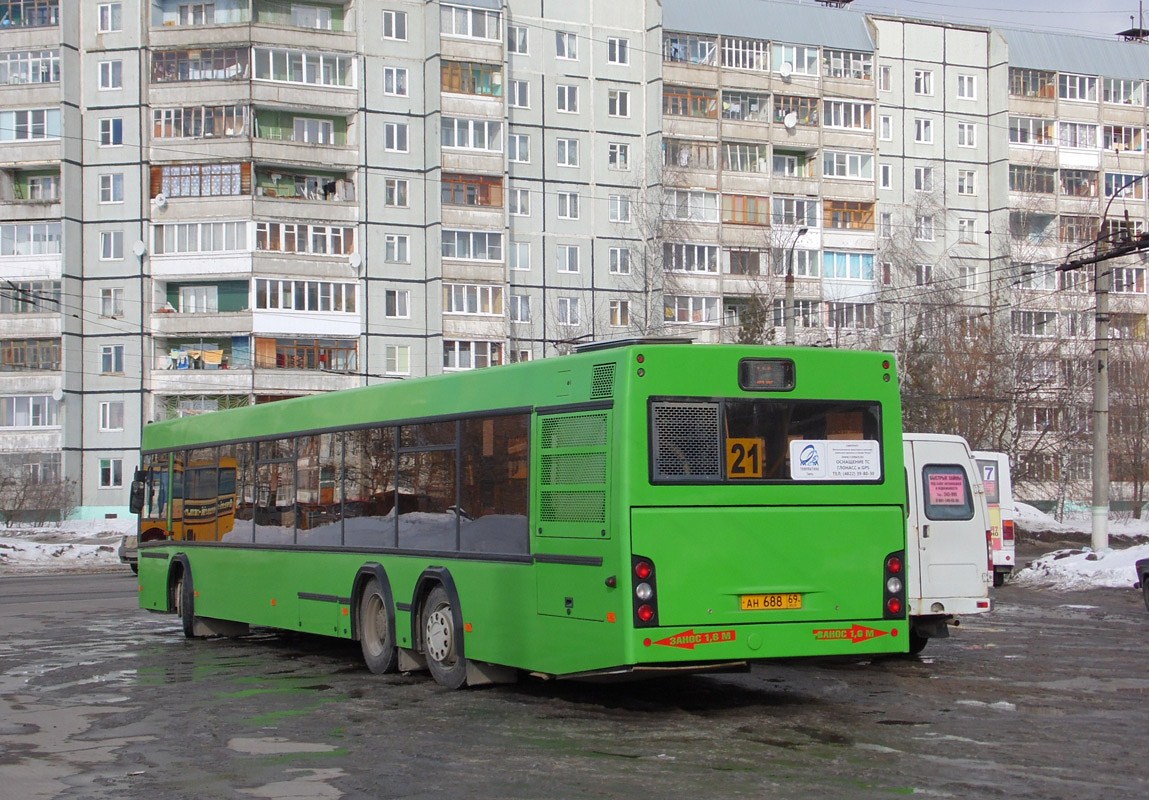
<point>687,442</point>
<point>573,463</point>
<point>602,382</point>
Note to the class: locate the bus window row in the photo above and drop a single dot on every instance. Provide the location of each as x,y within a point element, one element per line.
<point>456,485</point>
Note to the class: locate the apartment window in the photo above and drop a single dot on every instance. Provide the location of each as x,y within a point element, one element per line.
<point>28,297</point>
<point>473,23</point>
<point>850,115</point>
<point>1118,184</point>
<point>837,164</point>
<point>395,137</point>
<point>923,82</point>
<point>800,263</point>
<point>966,232</point>
<point>519,256</point>
<point>847,64</point>
<point>29,239</point>
<point>885,79</point>
<point>618,260</point>
<point>966,182</point>
<point>567,98</point>
<point>202,180</point>
<point>29,411</point>
<point>519,202</point>
<point>690,154</point>
<point>748,54</point>
<point>472,245</point>
<point>849,215</point>
<point>1129,280</point>
<point>519,148</point>
<point>1031,130</point>
<point>569,311</point>
<point>924,274</point>
<point>111,245</point>
<point>397,359</point>
<point>30,66</point>
<point>1123,92</point>
<point>691,309</point>
<point>199,300</point>
<point>966,134</point>
<point>618,156</point>
<point>397,248</point>
<point>1077,87</point>
<point>745,262</point>
<point>20,355</point>
<point>395,25</point>
<point>618,207</point>
<point>924,228</point>
<point>619,313</point>
<point>618,103</point>
<point>567,152</point>
<point>471,77</point>
<point>112,415</point>
<point>397,304</point>
<point>924,131</point>
<point>567,257</point>
<point>225,63</point>
<point>293,66</point>
<point>520,308</point>
<point>1124,137</point>
<point>848,265</point>
<point>745,209</point>
<point>794,211</point>
<point>467,354</point>
<point>967,87</point>
<point>787,165</point>
<point>112,188</point>
<point>305,295</point>
<point>687,101</point>
<point>745,157</point>
<point>684,48</point>
<point>967,278</point>
<point>519,95</point>
<point>111,74</point>
<point>111,473</point>
<point>807,313</point>
<point>472,134</point>
<point>313,131</point>
<point>1077,134</point>
<point>801,60</point>
<point>851,315</point>
<point>885,176</point>
<point>44,187</point>
<point>112,359</point>
<point>471,190</point>
<point>200,13</point>
<point>210,237</point>
<point>1032,83</point>
<point>199,121</point>
<point>395,81</point>
<point>1079,183</point>
<point>886,128</point>
<point>109,17</point>
<point>315,18</point>
<point>568,205</point>
<point>618,51</point>
<point>745,106</point>
<point>396,192</point>
<point>692,205</point>
<point>695,258</point>
<point>111,132</point>
<point>886,225</point>
<point>923,179</point>
<point>30,125</point>
<point>566,45</point>
<point>517,39</point>
<point>1074,229</point>
<point>112,302</point>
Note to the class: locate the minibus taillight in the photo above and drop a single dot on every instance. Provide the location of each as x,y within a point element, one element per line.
<point>645,592</point>
<point>1007,530</point>
<point>989,549</point>
<point>894,586</point>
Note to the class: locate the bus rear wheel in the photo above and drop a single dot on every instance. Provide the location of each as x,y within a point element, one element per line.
<point>918,642</point>
<point>184,601</point>
<point>441,641</point>
<point>376,632</point>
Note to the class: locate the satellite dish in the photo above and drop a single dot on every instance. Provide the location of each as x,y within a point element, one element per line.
<point>355,260</point>
<point>785,69</point>
<point>139,248</point>
<point>160,200</point>
<point>790,120</point>
<point>58,395</point>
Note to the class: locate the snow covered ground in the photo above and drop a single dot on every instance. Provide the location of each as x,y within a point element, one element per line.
<point>91,544</point>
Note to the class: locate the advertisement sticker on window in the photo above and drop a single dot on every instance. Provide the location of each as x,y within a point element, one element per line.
<point>832,460</point>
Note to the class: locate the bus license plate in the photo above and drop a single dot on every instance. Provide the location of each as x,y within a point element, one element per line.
<point>771,602</point>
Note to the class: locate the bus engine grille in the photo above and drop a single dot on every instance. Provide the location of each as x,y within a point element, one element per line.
<point>686,441</point>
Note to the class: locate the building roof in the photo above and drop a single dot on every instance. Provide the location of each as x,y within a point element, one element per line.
<point>1078,54</point>
<point>779,22</point>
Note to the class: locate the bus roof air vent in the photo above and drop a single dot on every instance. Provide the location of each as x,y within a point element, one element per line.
<point>645,341</point>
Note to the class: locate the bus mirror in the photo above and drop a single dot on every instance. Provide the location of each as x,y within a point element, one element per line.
<point>136,499</point>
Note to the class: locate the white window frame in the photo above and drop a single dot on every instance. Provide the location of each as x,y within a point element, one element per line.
<point>517,143</point>
<point>519,308</point>
<point>924,82</point>
<point>566,152</point>
<point>618,103</point>
<point>568,205</point>
<point>566,98</point>
<point>966,134</point>
<point>111,473</point>
<point>394,25</point>
<point>397,248</point>
<point>967,87</point>
<point>566,46</point>
<point>112,302</point>
<point>923,130</point>
<point>111,415</point>
<point>112,132</point>
<point>519,202</point>
<point>396,137</point>
<point>397,193</point>
<point>109,17</point>
<point>111,188</point>
<point>111,245</point>
<point>619,314</point>
<point>885,176</point>
<point>111,75</point>
<point>397,359</point>
<point>617,50</point>
<point>618,209</point>
<point>519,94</point>
<point>569,312</point>
<point>519,256</point>
<point>967,182</point>
<point>618,260</point>
<point>395,81</point>
<point>397,303</point>
<point>518,41</point>
<point>567,258</point>
<point>112,359</point>
<point>618,156</point>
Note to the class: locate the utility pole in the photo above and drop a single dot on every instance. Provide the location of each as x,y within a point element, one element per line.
<point>788,304</point>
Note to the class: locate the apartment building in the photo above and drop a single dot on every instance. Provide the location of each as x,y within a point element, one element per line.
<point>205,205</point>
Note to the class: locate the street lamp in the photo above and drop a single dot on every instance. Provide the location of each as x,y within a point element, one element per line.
<point>788,305</point>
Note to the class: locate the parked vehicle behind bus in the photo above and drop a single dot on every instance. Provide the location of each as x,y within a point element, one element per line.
<point>628,509</point>
<point>947,535</point>
<point>999,496</point>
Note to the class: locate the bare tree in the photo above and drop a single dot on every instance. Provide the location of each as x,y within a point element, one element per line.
<point>36,501</point>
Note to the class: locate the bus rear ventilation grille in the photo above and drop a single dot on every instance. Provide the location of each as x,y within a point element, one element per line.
<point>602,382</point>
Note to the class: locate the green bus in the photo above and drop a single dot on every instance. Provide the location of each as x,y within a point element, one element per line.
<point>634,507</point>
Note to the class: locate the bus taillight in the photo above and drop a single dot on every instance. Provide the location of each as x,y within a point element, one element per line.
<point>645,595</point>
<point>1007,530</point>
<point>894,587</point>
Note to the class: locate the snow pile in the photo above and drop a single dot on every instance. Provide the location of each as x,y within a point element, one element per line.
<point>1084,568</point>
<point>70,546</point>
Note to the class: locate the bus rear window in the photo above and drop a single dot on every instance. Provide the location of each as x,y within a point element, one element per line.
<point>739,441</point>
